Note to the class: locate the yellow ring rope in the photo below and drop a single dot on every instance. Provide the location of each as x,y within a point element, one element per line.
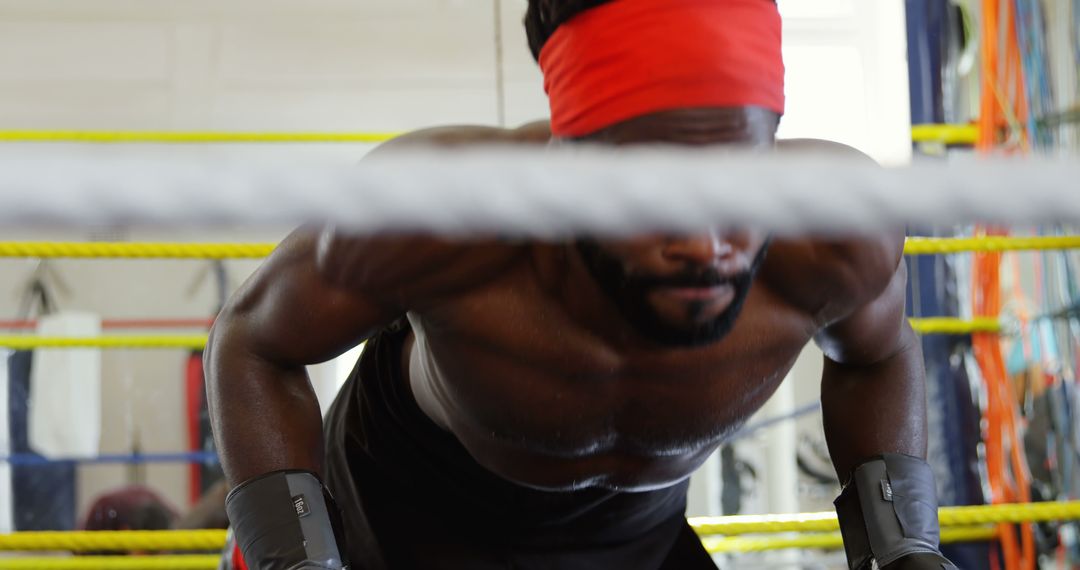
<point>712,545</point>
<point>936,246</point>
<point>190,137</point>
<point>188,562</point>
<point>145,250</point>
<point>945,134</point>
<point>947,325</point>
<point>826,522</point>
<point>954,520</point>
<point>915,246</point>
<point>198,341</point>
<point>147,540</point>
<point>150,250</point>
<point>28,342</point>
<point>764,524</point>
<point>830,540</point>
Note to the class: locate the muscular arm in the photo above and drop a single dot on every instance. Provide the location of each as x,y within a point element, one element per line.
<point>319,294</point>
<point>873,391</point>
<point>289,314</point>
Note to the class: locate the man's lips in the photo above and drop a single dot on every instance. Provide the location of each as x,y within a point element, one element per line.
<point>708,293</point>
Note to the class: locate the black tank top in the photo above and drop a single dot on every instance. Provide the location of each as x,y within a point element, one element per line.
<point>401,480</point>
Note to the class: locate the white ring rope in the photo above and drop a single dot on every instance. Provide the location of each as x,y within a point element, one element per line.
<point>536,193</point>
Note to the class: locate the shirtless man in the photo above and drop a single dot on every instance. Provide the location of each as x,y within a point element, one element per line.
<point>541,405</point>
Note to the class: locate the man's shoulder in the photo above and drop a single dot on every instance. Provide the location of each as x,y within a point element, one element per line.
<point>466,135</point>
<point>821,147</point>
<point>829,277</point>
<point>826,274</point>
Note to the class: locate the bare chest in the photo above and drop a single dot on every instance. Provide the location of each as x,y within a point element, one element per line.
<point>503,370</point>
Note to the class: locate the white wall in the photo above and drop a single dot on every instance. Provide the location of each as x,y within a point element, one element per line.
<point>847,75</point>
<point>371,65</point>
<point>382,65</point>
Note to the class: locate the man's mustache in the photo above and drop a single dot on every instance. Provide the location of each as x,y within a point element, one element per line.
<point>696,279</point>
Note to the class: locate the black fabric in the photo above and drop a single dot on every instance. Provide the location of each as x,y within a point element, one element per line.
<point>853,528</point>
<point>922,561</point>
<point>897,500</point>
<point>280,520</point>
<point>43,494</point>
<point>412,497</point>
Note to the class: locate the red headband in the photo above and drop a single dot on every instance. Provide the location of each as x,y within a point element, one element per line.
<point>629,58</point>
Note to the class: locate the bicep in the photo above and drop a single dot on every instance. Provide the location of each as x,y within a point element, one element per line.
<point>291,313</point>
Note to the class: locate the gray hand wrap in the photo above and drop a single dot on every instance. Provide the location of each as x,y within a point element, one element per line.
<point>285,521</point>
<point>888,511</point>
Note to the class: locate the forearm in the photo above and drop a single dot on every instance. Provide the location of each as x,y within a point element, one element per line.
<point>265,416</point>
<point>876,408</point>
<point>873,397</point>
<point>268,429</point>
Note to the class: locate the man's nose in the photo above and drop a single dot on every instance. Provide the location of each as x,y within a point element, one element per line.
<point>707,248</point>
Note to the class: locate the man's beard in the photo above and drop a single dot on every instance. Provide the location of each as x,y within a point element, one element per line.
<point>630,293</point>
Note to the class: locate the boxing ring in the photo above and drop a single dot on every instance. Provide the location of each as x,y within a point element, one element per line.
<point>179,250</point>
<point>554,191</point>
<point>458,193</point>
<point>721,535</point>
